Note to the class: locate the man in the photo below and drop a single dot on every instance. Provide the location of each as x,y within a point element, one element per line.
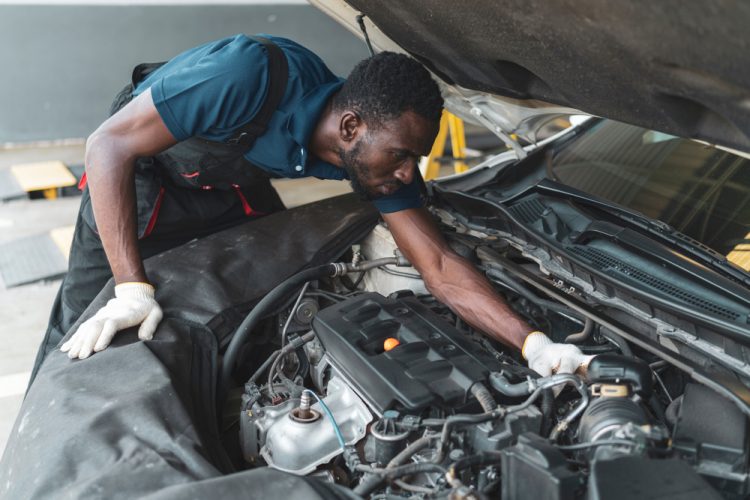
<point>170,166</point>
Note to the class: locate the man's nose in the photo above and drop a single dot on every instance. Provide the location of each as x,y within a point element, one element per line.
<point>405,174</point>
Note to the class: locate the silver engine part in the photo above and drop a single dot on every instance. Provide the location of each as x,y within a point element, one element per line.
<point>378,244</point>
<point>296,446</point>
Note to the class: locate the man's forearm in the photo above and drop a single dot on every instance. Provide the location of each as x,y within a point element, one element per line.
<point>468,293</point>
<point>111,185</point>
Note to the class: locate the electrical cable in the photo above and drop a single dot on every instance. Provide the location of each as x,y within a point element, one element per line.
<point>280,359</point>
<point>661,384</point>
<point>272,374</point>
<point>293,312</point>
<point>280,352</point>
<point>327,411</point>
<point>604,442</point>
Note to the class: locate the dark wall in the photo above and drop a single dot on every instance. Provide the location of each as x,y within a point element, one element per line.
<point>62,65</point>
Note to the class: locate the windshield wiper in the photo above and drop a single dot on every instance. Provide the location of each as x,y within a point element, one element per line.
<point>663,231</point>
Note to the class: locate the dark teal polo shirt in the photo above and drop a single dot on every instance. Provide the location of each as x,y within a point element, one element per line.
<point>212,90</point>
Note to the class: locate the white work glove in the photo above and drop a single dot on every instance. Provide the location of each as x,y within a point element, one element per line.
<point>546,357</point>
<point>133,304</point>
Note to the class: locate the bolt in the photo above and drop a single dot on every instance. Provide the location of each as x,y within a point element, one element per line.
<point>304,406</point>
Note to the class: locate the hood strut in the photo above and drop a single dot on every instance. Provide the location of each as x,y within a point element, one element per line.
<point>477,113</point>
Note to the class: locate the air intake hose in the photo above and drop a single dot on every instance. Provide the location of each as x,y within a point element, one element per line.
<point>261,310</point>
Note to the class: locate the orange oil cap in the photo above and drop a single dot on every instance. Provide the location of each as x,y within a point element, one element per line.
<point>390,343</point>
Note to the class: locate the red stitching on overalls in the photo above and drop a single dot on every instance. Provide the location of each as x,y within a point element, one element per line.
<point>245,205</point>
<point>191,175</point>
<point>82,182</point>
<point>154,214</point>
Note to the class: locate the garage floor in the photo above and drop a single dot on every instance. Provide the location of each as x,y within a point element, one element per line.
<point>24,309</point>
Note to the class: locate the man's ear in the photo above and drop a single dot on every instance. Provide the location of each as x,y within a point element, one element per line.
<point>350,126</point>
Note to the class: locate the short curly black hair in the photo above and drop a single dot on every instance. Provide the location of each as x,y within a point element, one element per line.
<point>387,84</point>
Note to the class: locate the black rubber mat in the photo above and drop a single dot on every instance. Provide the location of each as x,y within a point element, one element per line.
<point>9,186</point>
<point>31,259</point>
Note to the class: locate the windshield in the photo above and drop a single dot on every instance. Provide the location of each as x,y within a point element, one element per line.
<point>699,190</point>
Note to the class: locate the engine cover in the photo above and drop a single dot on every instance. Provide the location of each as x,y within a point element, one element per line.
<point>433,365</point>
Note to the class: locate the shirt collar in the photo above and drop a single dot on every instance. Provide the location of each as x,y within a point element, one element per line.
<point>307,112</point>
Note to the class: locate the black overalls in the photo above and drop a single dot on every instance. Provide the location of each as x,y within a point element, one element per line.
<point>191,190</point>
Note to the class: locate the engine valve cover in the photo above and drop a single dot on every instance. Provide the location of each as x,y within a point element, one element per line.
<point>433,364</point>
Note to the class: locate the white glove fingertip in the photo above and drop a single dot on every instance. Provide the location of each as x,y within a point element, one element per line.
<point>87,345</point>
<point>148,327</point>
<point>105,338</point>
<point>75,347</point>
<point>76,341</point>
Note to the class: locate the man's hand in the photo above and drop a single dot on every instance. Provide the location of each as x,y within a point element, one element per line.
<point>133,304</point>
<point>546,357</point>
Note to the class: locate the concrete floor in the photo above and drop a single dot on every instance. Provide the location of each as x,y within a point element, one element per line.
<point>24,310</point>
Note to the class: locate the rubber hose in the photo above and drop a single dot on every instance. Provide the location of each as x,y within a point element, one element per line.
<point>455,420</point>
<point>484,396</point>
<point>258,313</point>
<point>503,386</point>
<point>370,483</point>
<point>583,335</point>
<point>377,480</point>
<point>618,341</point>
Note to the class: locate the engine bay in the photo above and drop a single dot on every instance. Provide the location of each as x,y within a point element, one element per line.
<point>375,385</point>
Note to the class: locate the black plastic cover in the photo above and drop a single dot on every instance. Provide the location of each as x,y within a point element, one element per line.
<point>137,420</point>
<point>537,470</point>
<point>434,364</point>
<point>639,478</point>
<point>615,368</point>
<point>719,450</point>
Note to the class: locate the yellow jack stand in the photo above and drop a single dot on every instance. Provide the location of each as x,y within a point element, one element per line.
<point>448,123</point>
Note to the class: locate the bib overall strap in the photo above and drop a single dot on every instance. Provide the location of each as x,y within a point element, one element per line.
<point>278,74</point>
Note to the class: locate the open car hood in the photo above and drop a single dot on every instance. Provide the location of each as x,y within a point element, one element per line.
<point>668,66</point>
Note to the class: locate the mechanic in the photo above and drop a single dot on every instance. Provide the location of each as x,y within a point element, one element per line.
<point>190,147</point>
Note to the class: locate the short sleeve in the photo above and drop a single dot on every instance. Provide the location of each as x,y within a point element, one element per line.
<point>219,92</point>
<point>408,196</point>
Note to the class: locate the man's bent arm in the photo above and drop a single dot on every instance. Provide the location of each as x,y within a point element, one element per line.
<point>136,130</point>
<point>454,280</point>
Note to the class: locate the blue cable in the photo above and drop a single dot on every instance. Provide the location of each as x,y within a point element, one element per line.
<point>327,410</point>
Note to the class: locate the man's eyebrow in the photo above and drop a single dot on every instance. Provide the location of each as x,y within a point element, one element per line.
<point>407,152</point>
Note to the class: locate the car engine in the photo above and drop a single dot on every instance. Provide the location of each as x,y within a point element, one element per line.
<point>383,389</point>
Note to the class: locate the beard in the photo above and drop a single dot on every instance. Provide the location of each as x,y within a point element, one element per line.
<point>359,173</point>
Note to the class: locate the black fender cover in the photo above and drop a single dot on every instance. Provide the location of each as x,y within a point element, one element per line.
<point>138,419</point>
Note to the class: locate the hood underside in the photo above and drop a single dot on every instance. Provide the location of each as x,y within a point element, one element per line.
<point>673,66</point>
